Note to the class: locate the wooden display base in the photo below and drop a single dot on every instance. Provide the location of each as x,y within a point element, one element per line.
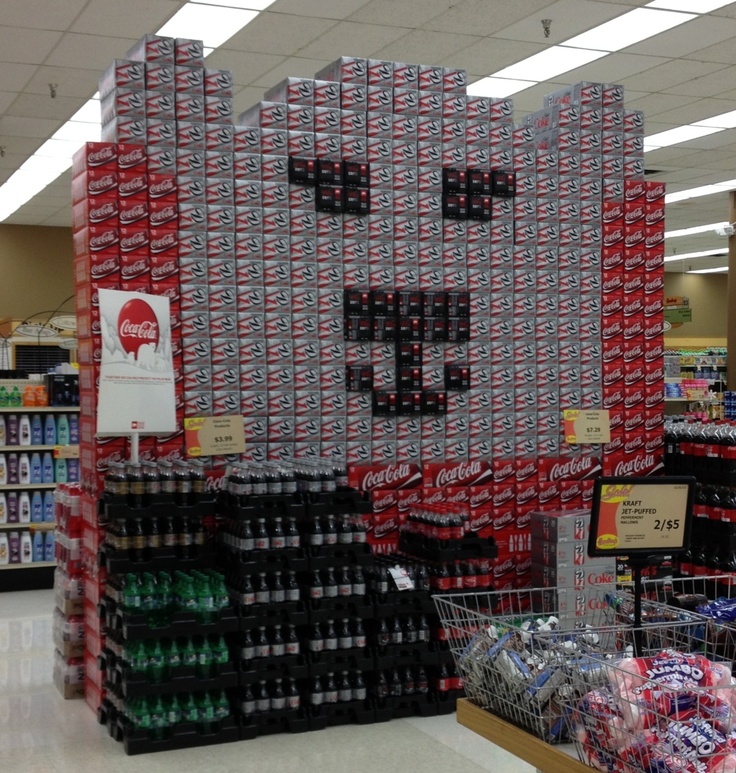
<point>546,758</point>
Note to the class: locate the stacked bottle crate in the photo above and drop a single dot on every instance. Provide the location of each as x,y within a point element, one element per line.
<point>170,674</point>
<point>69,617</point>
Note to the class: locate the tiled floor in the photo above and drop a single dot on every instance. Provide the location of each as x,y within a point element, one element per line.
<point>42,733</point>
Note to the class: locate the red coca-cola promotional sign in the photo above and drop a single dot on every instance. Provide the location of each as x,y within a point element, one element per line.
<point>572,468</point>
<point>137,325</point>
<point>384,476</point>
<point>476,472</point>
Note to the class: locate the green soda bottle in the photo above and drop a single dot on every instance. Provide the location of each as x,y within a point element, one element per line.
<point>159,720</point>
<point>220,652</point>
<point>219,591</point>
<point>173,711</point>
<point>204,658</point>
<point>205,599</point>
<point>148,596</point>
<point>131,594</point>
<point>173,656</point>
<point>189,709</point>
<point>206,711</point>
<point>138,658</point>
<point>187,594</point>
<point>142,715</point>
<point>164,597</point>
<point>189,654</point>
<point>222,706</point>
<point>156,662</point>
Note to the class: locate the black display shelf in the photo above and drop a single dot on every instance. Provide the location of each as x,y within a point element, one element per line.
<point>126,626</point>
<point>333,556</point>
<point>270,722</point>
<point>432,549</point>
<point>399,707</point>
<point>355,659</point>
<point>255,561</point>
<point>281,667</point>
<point>447,701</point>
<point>117,508</point>
<point>158,559</point>
<point>126,684</point>
<point>262,506</point>
<point>343,713</point>
<point>342,501</point>
<point>186,735</point>
<point>396,655</point>
<point>415,602</point>
<point>321,610</point>
<point>270,615</point>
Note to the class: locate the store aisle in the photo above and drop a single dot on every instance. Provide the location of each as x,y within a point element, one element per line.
<point>42,733</point>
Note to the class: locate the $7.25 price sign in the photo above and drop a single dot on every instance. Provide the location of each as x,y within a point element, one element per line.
<point>214,435</point>
<point>586,427</point>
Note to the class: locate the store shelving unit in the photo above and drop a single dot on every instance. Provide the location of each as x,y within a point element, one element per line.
<point>38,574</point>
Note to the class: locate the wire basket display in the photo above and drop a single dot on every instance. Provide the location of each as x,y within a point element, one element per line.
<point>668,713</point>
<point>527,657</point>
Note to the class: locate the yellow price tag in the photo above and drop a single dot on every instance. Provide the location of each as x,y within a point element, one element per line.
<point>214,435</point>
<point>66,452</point>
<point>586,427</point>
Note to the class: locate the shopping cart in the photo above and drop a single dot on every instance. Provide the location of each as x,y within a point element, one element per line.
<point>529,655</point>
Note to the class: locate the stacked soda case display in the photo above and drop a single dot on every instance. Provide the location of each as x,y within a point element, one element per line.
<point>169,653</point>
<point>706,449</point>
<point>415,674</point>
<point>70,612</point>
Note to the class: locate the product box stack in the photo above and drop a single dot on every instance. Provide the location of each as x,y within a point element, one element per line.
<point>560,561</point>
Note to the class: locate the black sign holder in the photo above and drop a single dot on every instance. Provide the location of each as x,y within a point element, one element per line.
<point>602,543</point>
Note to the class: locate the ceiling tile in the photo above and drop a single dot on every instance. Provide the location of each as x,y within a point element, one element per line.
<point>687,37</point>
<point>245,66</point>
<point>359,39</point>
<point>272,33</point>
<point>290,68</point>
<point>654,104</point>
<point>478,17</point>
<point>674,72</point>
<point>129,19</point>
<point>13,76</point>
<point>568,18</point>
<point>245,99</point>
<point>693,111</point>
<point>70,82</point>
<point>711,85</point>
<point>27,46</point>
<point>40,14</point>
<point>616,68</point>
<point>425,47</point>
<point>96,51</point>
<point>43,106</point>
<point>492,54</point>
<point>41,128</point>
<point>407,13</point>
<point>325,9</point>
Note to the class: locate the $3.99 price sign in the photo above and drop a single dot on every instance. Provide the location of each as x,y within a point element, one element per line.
<point>586,427</point>
<point>214,435</point>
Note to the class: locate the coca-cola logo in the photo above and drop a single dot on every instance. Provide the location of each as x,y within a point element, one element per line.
<point>107,267</point>
<point>548,492</point>
<point>134,241</point>
<point>502,496</point>
<point>577,468</point>
<point>134,185</point>
<point>642,464</point>
<point>137,325</point>
<point>101,184</point>
<point>383,528</point>
<point>501,568</point>
<point>163,243</point>
<point>165,269</point>
<point>526,495</point>
<point>463,474</point>
<point>103,212</point>
<point>103,240</point>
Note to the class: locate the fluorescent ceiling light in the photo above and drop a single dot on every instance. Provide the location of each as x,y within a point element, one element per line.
<point>89,112</point>
<point>250,5</point>
<point>632,27</point>
<point>691,6</point>
<point>698,229</point>
<point>58,148</point>
<point>549,63</point>
<point>722,121</point>
<point>497,88</point>
<point>701,190</point>
<point>691,255</point>
<point>212,24</point>
<point>677,135</point>
<point>718,270</point>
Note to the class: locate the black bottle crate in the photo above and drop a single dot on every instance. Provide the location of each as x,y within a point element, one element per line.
<point>166,559</point>
<point>280,667</point>
<point>332,556</point>
<point>338,607</point>
<point>343,713</point>
<point>418,602</point>
<point>270,722</point>
<point>127,684</point>
<point>340,501</point>
<point>255,561</point>
<point>355,659</point>
<point>447,701</point>
<point>116,508</point>
<point>127,626</point>
<point>433,549</point>
<point>262,506</point>
<point>185,735</point>
<point>270,615</point>
<point>410,654</point>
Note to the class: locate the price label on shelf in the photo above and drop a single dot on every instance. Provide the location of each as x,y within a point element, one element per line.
<point>401,578</point>
<point>214,435</point>
<point>66,452</point>
<point>586,427</point>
